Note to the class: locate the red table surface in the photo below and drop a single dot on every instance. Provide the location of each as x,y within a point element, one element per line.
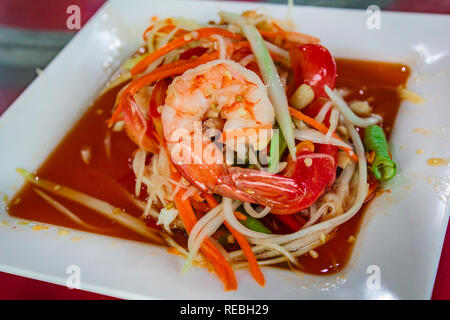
<point>51,15</point>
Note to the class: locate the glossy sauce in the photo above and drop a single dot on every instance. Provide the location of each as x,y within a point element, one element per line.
<point>377,83</point>
<point>105,178</point>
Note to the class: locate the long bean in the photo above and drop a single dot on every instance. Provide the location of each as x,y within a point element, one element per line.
<point>383,167</point>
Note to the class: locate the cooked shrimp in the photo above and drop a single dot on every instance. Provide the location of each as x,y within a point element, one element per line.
<point>136,123</point>
<point>222,94</point>
<point>227,96</point>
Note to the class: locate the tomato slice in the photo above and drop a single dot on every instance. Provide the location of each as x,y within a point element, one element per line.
<point>313,64</point>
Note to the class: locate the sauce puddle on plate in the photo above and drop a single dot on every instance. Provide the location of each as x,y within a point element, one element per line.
<point>106,176</point>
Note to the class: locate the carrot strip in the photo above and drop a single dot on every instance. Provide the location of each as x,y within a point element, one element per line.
<point>144,35</point>
<point>167,28</point>
<point>218,261</point>
<point>174,251</point>
<point>200,206</point>
<point>116,116</point>
<point>220,264</point>
<point>240,216</point>
<point>212,203</point>
<point>179,42</point>
<point>253,263</point>
<point>255,270</point>
<point>150,27</point>
<point>168,70</point>
<point>197,197</point>
<point>162,72</point>
<point>269,34</point>
<point>157,99</point>
<point>322,128</point>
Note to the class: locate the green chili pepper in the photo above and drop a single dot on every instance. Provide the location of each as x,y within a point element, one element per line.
<point>253,223</point>
<point>277,147</point>
<point>383,167</point>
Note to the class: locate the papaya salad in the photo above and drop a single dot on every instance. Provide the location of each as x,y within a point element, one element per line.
<point>235,123</point>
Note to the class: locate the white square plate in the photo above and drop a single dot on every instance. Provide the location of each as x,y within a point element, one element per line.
<point>402,233</point>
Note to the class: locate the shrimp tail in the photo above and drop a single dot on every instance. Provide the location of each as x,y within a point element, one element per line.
<point>313,174</point>
<point>257,187</point>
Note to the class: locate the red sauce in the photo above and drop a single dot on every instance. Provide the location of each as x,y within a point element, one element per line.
<point>101,178</point>
<point>376,82</point>
<point>104,177</point>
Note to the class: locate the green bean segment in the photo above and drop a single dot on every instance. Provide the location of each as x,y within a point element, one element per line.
<point>383,167</point>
